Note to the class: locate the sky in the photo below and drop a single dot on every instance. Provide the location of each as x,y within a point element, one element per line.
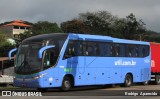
<point>63,10</point>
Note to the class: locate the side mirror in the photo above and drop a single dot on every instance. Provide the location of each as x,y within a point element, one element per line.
<point>43,49</point>
<point>10,53</point>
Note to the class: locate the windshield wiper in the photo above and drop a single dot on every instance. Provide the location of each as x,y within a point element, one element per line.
<point>23,66</point>
<point>20,67</point>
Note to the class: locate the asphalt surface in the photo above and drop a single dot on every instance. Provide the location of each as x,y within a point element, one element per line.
<point>95,92</point>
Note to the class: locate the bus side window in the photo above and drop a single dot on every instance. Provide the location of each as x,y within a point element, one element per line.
<point>122,50</point>
<point>115,50</point>
<point>49,59</point>
<point>145,51</point>
<point>71,49</point>
<point>90,49</point>
<point>108,51</point>
<point>133,50</point>
<point>97,49</point>
<point>136,51</point>
<point>118,50</point>
<point>128,50</point>
<point>102,49</point>
<point>80,48</point>
<point>111,47</point>
<point>141,50</point>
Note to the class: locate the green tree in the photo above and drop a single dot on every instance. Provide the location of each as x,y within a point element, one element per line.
<point>3,41</point>
<point>104,23</point>
<point>134,29</point>
<point>5,46</point>
<point>99,22</point>
<point>43,27</point>
<point>24,35</point>
<point>118,27</point>
<point>75,26</point>
<point>151,36</point>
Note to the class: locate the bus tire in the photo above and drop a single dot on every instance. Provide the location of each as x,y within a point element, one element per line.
<point>157,79</point>
<point>128,80</point>
<point>66,84</point>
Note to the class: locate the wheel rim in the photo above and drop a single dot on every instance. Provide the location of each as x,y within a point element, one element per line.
<point>67,84</point>
<point>146,82</point>
<point>128,81</point>
<point>158,79</point>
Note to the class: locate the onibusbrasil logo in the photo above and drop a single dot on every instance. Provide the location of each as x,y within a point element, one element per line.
<point>15,93</point>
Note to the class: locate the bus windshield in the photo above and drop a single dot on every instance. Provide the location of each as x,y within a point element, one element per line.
<point>27,60</point>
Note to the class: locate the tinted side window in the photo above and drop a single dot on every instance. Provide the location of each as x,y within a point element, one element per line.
<point>72,49</point>
<point>137,54</point>
<point>130,50</point>
<point>145,50</point>
<point>115,50</point>
<point>122,50</point>
<point>118,50</point>
<point>80,48</point>
<point>50,58</point>
<point>105,49</point>
<point>137,50</point>
<point>91,48</point>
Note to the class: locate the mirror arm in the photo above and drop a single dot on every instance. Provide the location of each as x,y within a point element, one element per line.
<point>43,49</point>
<point>10,53</point>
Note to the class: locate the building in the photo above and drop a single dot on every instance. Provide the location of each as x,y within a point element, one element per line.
<point>14,28</point>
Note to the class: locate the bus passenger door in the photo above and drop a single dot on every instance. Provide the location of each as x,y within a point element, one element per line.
<point>71,57</point>
<point>81,58</point>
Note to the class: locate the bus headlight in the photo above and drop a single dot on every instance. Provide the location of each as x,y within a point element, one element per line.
<point>37,77</point>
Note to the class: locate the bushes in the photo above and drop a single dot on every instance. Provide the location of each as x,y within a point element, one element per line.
<point>5,46</point>
<point>5,49</point>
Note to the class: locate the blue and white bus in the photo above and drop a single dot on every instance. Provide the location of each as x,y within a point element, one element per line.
<point>68,60</point>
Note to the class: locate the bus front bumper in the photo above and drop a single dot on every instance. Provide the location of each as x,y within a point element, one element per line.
<point>28,83</point>
<point>36,83</point>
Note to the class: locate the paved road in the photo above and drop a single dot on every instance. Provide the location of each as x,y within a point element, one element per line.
<point>97,92</point>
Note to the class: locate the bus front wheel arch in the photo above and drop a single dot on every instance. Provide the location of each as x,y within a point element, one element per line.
<point>67,83</point>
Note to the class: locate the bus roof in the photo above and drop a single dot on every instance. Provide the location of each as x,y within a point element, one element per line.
<point>87,37</point>
<point>104,38</point>
<point>43,37</point>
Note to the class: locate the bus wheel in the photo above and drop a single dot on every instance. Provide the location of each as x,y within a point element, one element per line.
<point>157,80</point>
<point>66,84</point>
<point>128,80</point>
<point>42,89</point>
